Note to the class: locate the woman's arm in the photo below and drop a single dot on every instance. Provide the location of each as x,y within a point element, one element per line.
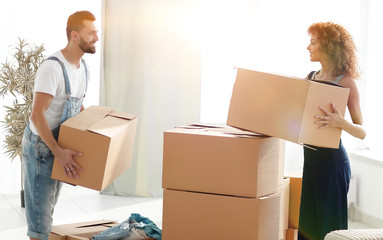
<point>334,119</point>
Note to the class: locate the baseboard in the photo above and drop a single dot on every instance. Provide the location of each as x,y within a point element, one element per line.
<point>358,216</point>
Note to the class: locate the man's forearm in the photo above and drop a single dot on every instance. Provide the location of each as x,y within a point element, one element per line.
<point>44,131</point>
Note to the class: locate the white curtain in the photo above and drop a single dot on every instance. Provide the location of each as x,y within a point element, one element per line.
<point>152,68</point>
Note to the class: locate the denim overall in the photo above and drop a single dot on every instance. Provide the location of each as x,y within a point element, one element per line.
<point>325,183</point>
<point>42,192</point>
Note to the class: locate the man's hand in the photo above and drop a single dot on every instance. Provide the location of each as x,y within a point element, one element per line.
<point>67,162</point>
<point>64,156</point>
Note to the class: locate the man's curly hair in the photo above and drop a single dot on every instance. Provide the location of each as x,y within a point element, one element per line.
<point>339,46</point>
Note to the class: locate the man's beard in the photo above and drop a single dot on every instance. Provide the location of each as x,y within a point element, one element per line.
<point>85,47</point>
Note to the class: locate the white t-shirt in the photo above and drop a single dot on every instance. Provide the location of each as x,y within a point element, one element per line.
<point>50,79</point>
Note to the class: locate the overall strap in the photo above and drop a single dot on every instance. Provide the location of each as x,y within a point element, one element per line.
<point>67,86</point>
<point>86,75</point>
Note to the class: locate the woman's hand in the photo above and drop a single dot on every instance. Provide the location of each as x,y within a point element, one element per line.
<point>330,119</point>
<point>334,119</point>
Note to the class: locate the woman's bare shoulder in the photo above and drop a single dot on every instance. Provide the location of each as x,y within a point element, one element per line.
<point>347,82</point>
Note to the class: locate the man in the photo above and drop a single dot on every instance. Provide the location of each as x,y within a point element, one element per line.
<point>60,86</point>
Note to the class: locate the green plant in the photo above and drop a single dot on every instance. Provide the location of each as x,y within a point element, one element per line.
<point>17,76</point>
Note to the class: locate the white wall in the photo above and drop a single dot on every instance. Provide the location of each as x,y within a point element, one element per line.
<point>368,169</point>
<point>40,22</point>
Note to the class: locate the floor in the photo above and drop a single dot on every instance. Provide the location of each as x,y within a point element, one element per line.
<point>77,204</point>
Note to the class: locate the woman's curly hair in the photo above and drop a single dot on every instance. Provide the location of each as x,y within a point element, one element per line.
<point>339,46</point>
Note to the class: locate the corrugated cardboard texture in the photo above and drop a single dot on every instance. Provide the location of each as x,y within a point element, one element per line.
<point>284,107</point>
<point>105,138</point>
<point>209,160</point>
<point>284,191</point>
<point>191,216</point>
<point>295,197</point>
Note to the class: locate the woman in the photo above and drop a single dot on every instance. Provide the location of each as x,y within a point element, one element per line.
<point>326,172</point>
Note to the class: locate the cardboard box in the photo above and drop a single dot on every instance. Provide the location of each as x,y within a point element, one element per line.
<point>284,191</point>
<point>192,215</point>
<point>281,164</point>
<point>221,160</point>
<point>292,234</point>
<point>79,231</point>
<point>295,197</point>
<point>105,138</point>
<point>285,107</point>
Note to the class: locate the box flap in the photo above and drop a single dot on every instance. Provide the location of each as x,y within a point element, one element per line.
<point>207,125</point>
<point>238,132</point>
<point>72,228</point>
<point>224,129</point>
<point>109,126</point>
<point>200,126</point>
<point>88,117</point>
<point>95,223</point>
<point>128,116</point>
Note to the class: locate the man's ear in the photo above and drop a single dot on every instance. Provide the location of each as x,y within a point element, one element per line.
<point>74,36</point>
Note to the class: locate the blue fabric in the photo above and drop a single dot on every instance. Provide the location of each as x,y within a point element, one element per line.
<point>325,183</point>
<point>338,79</point>
<point>123,230</point>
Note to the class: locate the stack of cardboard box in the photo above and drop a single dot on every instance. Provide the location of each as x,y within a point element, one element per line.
<point>221,183</point>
